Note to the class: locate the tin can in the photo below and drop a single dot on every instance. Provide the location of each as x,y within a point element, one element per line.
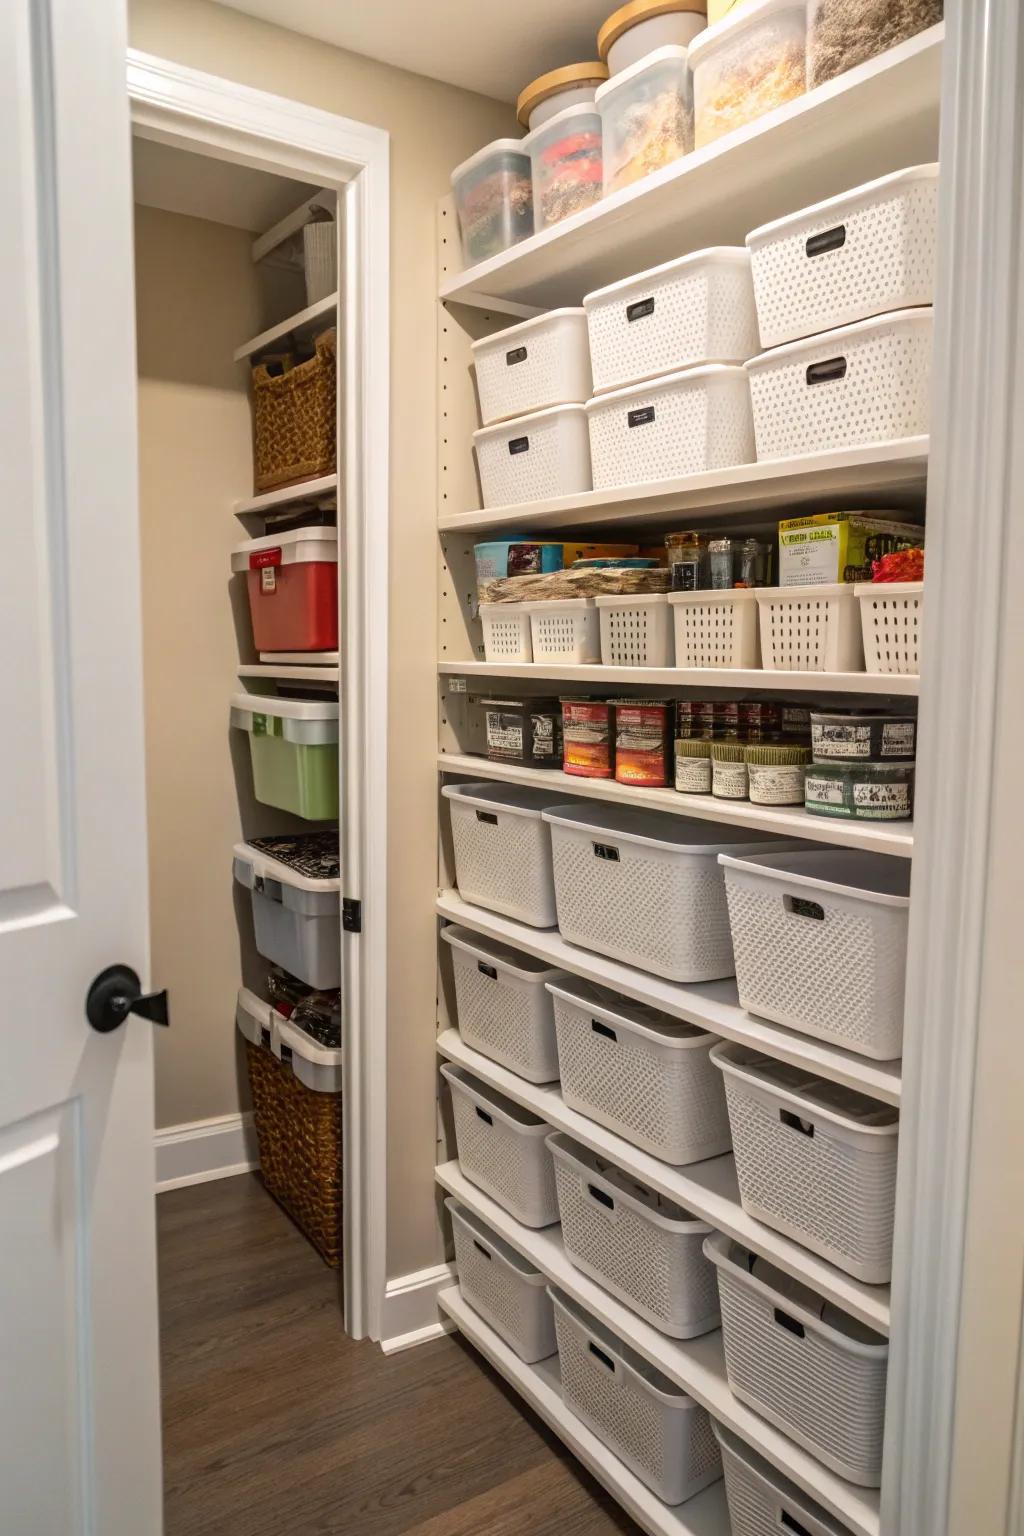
<point>695,719</point>
<point>643,734</point>
<point>587,738</point>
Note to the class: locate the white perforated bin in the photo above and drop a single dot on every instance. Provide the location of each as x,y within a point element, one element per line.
<point>685,424</point>
<point>638,1244</point>
<point>867,252</point>
<point>810,629</point>
<point>640,1073</point>
<point>502,1286</point>
<point>635,631</point>
<point>812,1371</point>
<point>507,632</point>
<point>503,849</point>
<point>542,362</point>
<point>504,1010</point>
<point>697,309</point>
<point>715,629</point>
<point>820,939</point>
<point>646,888</point>
<point>565,631</point>
<point>761,1501</point>
<point>864,383</point>
<point>891,617</point>
<point>815,1160</point>
<point>534,457</point>
<point>502,1149</point>
<point>646,1420</point>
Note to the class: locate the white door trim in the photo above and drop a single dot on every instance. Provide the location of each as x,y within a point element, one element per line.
<point>411,1313</point>
<point>203,1150</point>
<point>228,121</point>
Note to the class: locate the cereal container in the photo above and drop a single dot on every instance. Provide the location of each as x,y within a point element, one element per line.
<point>748,64</point>
<point>494,199</point>
<point>842,33</point>
<point>565,154</point>
<point>646,117</point>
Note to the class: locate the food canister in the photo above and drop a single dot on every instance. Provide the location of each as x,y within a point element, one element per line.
<point>693,767</point>
<point>861,791</point>
<point>571,86</point>
<point>525,731</point>
<point>775,773</point>
<point>695,719</point>
<point>862,736</point>
<point>643,735</point>
<point>688,561</point>
<point>587,746</point>
<point>729,770</point>
<point>636,29</point>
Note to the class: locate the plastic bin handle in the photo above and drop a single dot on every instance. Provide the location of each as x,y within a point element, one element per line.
<point>518,445</point>
<point>599,1354</point>
<point>799,906</point>
<point>828,240</point>
<point>640,309</point>
<point>488,817</point>
<point>603,1029</point>
<point>487,970</point>
<point>600,1196</point>
<point>828,371</point>
<point>788,1522</point>
<point>789,1323</point>
<point>484,1116</point>
<point>517,355</point>
<point>481,1249</point>
<point>805,1127</point>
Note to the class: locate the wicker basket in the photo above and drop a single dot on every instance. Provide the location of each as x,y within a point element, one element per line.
<point>294,418</point>
<point>299,1134</point>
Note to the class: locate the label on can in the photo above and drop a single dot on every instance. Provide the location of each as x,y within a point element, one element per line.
<point>504,733</point>
<point>693,775</point>
<point>586,736</point>
<point>641,744</point>
<point>826,791</point>
<point>841,740</point>
<point>729,780</point>
<point>776,783</point>
<point>882,801</point>
<point>543,734</point>
<point>898,738</point>
<point>268,578</point>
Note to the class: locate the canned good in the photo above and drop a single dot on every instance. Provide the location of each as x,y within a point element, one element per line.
<point>587,746</point>
<point>860,791</point>
<point>526,731</point>
<point>776,773</point>
<point>643,733</point>
<point>860,735</point>
<point>728,770</point>
<point>693,767</point>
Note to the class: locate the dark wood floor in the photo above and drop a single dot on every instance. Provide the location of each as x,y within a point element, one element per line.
<point>275,1424</point>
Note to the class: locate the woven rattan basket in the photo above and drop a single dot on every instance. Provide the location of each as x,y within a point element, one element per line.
<point>294,418</point>
<point>299,1134</point>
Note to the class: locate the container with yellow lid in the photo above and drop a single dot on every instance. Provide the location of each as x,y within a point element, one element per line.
<point>571,86</point>
<point>636,29</point>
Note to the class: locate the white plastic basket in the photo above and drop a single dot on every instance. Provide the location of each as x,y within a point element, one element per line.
<point>761,1501</point>
<point>821,943</point>
<point>891,616</point>
<point>810,629</point>
<point>685,424</point>
<point>503,849</point>
<point>815,1160</point>
<point>694,310</point>
<point>645,888</point>
<point>867,252</point>
<point>812,1371</point>
<point>534,457</point>
<point>565,631</point>
<point>715,628</point>
<point>643,1418</point>
<point>502,1286</point>
<point>640,1073</point>
<point>635,631</point>
<point>507,632</point>
<point>863,383</point>
<point>639,1245</point>
<point>502,1149</point>
<point>504,1009</point>
<point>529,367</point>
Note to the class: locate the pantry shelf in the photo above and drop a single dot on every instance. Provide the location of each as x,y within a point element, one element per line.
<point>891,475</point>
<point>540,1386</point>
<point>874,119</point>
<point>273,672</point>
<point>693,677</point>
<point>285,496</point>
<point>896,839</point>
<point>302,324</point>
<point>708,1189</point>
<point>696,1365</point>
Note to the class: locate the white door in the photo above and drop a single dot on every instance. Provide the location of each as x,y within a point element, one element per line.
<point>79,1398</point>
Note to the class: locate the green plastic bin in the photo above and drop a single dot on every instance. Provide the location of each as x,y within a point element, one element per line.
<point>294,748</point>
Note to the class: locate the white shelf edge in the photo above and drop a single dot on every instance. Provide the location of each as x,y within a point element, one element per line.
<point>292,223</point>
<point>696,1365</point>
<point>894,685</point>
<point>708,1189</point>
<point>896,840</point>
<point>704,1515</point>
<point>271,501</point>
<point>316,661</point>
<point>271,672</point>
<point>294,323</point>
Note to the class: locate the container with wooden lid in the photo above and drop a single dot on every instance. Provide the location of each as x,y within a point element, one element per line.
<point>636,29</point>
<point>571,86</point>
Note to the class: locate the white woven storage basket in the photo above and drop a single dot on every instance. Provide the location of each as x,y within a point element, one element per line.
<point>820,940</point>
<point>685,424</point>
<point>867,252</point>
<point>694,310</point>
<point>812,1371</point>
<point>504,1009</point>
<point>507,632</point>
<point>640,1073</point>
<point>815,1160</point>
<point>715,629</point>
<point>502,1286</point>
<point>645,888</point>
<point>761,1501</point>
<point>643,1418</point>
<point>639,1245</point>
<point>810,629</point>
<point>635,631</point>
<point>565,632</point>
<point>503,849</point>
<point>529,367</point>
<point>534,457</point>
<point>891,616</point>
<point>863,383</point>
<point>502,1149</point>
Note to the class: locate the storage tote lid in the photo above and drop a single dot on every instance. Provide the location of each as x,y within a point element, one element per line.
<point>519,424</point>
<point>735,22</point>
<point>489,152</point>
<point>656,829</point>
<point>516,799</point>
<point>635,11</point>
<point>319,1067</point>
<point>640,1017</point>
<point>840,871</point>
<point>306,861</point>
<point>299,547</point>
<point>833,340</point>
<point>735,255</point>
<point>305,722</point>
<point>492,949</point>
<point>765,232</point>
<point>670,53</point>
<point>556,80</point>
<point>253,1017</point>
<point>497,340</point>
<point>843,1107</point>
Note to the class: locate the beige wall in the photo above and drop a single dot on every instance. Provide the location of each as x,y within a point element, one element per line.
<point>433,127</point>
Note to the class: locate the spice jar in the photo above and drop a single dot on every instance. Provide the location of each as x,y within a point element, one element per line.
<point>842,33</point>
<point>755,564</point>
<point>687,560</point>
<point>643,735</point>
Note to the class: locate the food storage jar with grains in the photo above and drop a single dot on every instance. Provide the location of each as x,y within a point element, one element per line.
<point>565,154</point>
<point>635,30</point>
<point>748,64</point>
<point>646,117</point>
<point>571,86</point>
<point>494,199</point>
<point>842,33</point>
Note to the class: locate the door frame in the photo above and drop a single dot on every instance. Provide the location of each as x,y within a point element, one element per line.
<point>211,116</point>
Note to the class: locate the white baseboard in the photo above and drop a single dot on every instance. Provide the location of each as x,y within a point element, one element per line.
<point>204,1150</point>
<point>411,1314</point>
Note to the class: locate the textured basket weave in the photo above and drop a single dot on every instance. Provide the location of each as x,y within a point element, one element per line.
<point>294,419</point>
<point>299,1134</point>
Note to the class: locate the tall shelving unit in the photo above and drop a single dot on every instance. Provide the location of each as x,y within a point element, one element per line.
<point>876,119</point>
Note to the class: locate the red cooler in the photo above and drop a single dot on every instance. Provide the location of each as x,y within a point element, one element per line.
<point>293,589</point>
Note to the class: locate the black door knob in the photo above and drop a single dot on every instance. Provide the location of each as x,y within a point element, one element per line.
<point>115,994</point>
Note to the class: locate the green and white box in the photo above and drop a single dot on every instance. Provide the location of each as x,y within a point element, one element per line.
<point>294,747</point>
<point>829,547</point>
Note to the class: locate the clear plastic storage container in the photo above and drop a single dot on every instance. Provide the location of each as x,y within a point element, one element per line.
<point>534,457</point>
<point>566,161</point>
<point>502,1149</point>
<point>534,365</point>
<point>685,424</point>
<point>502,1286</point>
<point>646,117</point>
<point>504,1009</point>
<point>748,64</point>
<point>503,849</point>
<point>293,744</point>
<point>640,27</point>
<point>494,199</point>
<point>844,33</point>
